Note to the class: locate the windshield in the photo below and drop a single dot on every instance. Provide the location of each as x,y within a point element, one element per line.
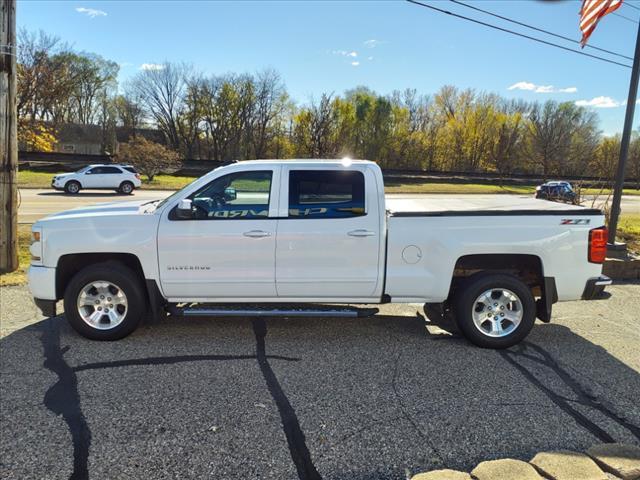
<point>84,169</point>
<point>174,194</point>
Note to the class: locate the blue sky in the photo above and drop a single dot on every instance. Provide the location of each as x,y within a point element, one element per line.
<point>331,46</point>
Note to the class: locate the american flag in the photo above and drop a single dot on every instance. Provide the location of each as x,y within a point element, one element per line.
<point>591,13</point>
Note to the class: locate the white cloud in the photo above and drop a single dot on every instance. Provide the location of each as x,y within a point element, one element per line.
<point>522,86</point>
<point>355,64</point>
<point>600,102</point>
<point>373,43</point>
<point>151,66</point>
<point>346,53</point>
<point>532,87</point>
<point>369,58</point>
<point>91,12</point>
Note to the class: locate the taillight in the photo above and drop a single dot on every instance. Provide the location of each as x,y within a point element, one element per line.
<point>138,176</point>
<point>598,245</point>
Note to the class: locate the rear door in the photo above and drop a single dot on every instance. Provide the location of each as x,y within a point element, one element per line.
<point>328,235</point>
<point>227,250</point>
<point>111,177</point>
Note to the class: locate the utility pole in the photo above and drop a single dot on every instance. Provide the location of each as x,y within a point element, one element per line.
<point>624,151</point>
<point>8,139</point>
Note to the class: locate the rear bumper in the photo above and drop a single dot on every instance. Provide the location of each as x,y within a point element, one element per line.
<point>595,286</point>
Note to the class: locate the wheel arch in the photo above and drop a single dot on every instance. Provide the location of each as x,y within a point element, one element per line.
<point>70,264</point>
<point>526,267</point>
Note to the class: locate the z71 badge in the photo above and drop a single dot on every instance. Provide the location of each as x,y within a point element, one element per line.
<point>575,221</point>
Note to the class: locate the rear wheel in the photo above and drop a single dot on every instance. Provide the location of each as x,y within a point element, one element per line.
<point>495,310</point>
<point>105,301</point>
<point>72,187</point>
<point>126,188</point>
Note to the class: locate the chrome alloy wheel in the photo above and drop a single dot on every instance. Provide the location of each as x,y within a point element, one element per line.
<point>497,312</point>
<point>127,188</point>
<point>102,305</point>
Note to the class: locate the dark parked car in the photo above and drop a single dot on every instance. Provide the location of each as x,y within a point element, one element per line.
<point>558,191</point>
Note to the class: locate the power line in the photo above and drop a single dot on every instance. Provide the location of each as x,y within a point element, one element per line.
<point>629,4</point>
<point>626,18</point>
<point>539,40</point>
<point>569,39</point>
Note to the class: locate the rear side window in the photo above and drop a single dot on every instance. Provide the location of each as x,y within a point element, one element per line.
<point>326,194</point>
<point>130,169</point>
<point>111,170</point>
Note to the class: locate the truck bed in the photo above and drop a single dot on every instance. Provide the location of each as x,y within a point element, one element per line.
<point>479,205</point>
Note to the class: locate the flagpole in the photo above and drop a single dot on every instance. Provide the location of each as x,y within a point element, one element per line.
<point>624,151</point>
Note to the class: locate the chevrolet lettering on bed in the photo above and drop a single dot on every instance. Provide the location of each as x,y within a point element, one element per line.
<point>275,237</point>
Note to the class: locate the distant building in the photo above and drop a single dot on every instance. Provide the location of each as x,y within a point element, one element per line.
<point>89,139</point>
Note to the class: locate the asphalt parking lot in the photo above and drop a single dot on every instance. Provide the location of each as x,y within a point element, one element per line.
<point>370,398</point>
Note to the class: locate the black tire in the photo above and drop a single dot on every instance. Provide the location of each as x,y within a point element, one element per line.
<point>72,187</point>
<point>126,280</point>
<point>126,188</point>
<point>465,303</point>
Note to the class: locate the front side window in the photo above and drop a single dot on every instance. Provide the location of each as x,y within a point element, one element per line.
<point>242,195</point>
<point>326,194</point>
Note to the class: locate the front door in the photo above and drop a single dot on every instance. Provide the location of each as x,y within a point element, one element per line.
<point>93,178</point>
<point>227,248</point>
<point>329,243</point>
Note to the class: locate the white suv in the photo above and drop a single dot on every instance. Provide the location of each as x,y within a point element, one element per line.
<point>121,178</point>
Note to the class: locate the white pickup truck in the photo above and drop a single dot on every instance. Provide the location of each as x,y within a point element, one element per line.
<point>281,237</point>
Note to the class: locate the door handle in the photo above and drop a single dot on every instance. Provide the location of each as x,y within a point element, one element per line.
<point>257,234</point>
<point>361,233</point>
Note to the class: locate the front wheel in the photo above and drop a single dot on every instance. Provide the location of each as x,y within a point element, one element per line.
<point>495,310</point>
<point>72,187</point>
<point>104,301</point>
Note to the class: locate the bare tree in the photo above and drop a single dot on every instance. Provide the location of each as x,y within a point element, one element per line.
<point>93,78</point>
<point>549,134</point>
<point>161,90</point>
<point>129,111</point>
<point>269,105</point>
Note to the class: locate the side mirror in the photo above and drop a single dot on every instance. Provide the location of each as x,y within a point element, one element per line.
<point>230,194</point>
<point>184,211</point>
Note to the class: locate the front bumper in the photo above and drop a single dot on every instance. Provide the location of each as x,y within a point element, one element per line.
<point>595,286</point>
<point>42,285</point>
<point>42,282</point>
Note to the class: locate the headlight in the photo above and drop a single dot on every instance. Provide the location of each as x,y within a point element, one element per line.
<point>36,246</point>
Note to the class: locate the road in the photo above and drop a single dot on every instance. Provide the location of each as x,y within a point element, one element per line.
<point>35,203</point>
<point>368,398</point>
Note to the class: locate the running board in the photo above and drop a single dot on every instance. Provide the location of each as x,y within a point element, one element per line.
<point>244,311</point>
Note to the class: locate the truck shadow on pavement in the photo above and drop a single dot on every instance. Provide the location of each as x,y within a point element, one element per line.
<point>299,398</point>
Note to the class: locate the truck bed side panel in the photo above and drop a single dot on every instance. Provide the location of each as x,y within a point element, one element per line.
<point>441,240</point>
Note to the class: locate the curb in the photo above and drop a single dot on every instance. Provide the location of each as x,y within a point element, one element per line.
<point>617,269</point>
<point>600,462</point>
